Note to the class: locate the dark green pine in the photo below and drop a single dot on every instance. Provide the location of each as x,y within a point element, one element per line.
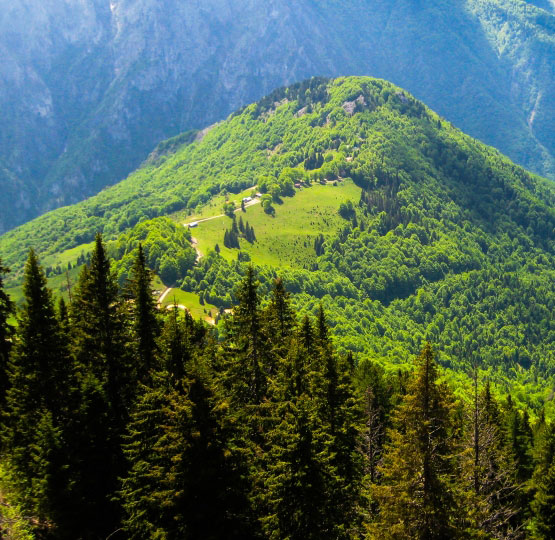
<point>7,309</point>
<point>101,338</point>
<point>144,314</point>
<point>39,403</point>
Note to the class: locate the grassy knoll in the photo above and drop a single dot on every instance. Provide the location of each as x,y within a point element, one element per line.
<point>286,240</point>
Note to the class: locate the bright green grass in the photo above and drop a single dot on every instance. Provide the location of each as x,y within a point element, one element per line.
<point>69,255</point>
<point>191,302</point>
<point>286,240</point>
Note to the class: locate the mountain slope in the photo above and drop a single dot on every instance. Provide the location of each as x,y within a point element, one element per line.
<point>89,88</point>
<point>402,226</point>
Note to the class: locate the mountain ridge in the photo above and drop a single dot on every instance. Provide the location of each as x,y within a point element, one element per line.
<point>137,76</point>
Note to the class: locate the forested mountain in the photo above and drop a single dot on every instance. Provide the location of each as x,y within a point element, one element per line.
<point>89,88</point>
<point>404,228</point>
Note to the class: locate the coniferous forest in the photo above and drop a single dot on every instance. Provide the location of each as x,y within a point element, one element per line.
<point>122,420</point>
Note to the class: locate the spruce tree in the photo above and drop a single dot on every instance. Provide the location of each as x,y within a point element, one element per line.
<point>7,309</point>
<point>416,495</point>
<point>490,470</point>
<point>107,389</point>
<point>100,333</point>
<point>279,319</point>
<point>185,479</point>
<point>39,404</point>
<point>247,374</point>
<point>543,505</point>
<point>543,523</point>
<point>144,314</point>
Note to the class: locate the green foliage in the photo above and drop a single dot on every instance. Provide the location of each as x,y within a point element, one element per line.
<point>416,495</point>
<point>166,245</point>
<point>441,223</point>
<point>257,429</point>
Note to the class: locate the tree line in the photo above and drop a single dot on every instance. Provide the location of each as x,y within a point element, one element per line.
<point>119,420</point>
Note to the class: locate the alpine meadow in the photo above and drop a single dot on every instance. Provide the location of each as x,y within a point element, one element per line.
<point>328,316</point>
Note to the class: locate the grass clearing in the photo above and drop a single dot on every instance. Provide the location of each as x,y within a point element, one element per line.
<point>68,256</point>
<point>286,240</point>
<point>206,312</point>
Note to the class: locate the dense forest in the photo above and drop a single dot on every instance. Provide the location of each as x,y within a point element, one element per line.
<point>122,420</point>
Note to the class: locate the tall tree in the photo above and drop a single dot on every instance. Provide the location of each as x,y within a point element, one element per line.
<point>7,309</point>
<point>247,373</point>
<point>185,479</point>
<point>100,331</point>
<point>39,414</point>
<point>490,470</point>
<point>416,495</point>
<point>543,522</point>
<point>144,315</point>
<point>107,390</point>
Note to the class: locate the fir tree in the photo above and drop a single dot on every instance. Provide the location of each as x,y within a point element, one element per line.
<point>247,372</point>
<point>107,389</point>
<point>144,315</point>
<point>39,415</point>
<point>100,331</point>
<point>543,505</point>
<point>490,470</point>
<point>279,318</point>
<point>416,496</point>
<point>185,480</point>
<point>7,309</point>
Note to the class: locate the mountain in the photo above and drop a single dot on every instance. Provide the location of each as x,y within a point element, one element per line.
<point>88,88</point>
<point>403,227</point>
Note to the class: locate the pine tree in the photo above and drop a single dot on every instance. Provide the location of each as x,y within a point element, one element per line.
<point>107,389</point>
<point>185,480</point>
<point>416,496</point>
<point>7,309</point>
<point>241,224</point>
<point>144,316</point>
<point>39,412</point>
<point>490,470</point>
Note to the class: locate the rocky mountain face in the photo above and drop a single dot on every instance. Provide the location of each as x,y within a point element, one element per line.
<point>88,87</point>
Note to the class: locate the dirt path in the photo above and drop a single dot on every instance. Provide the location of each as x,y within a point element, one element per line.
<point>194,243</point>
<point>162,297</point>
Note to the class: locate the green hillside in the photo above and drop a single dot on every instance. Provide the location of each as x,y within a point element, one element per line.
<point>404,228</point>
<point>83,105</point>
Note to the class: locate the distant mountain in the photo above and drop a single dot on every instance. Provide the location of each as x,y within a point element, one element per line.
<point>403,227</point>
<point>88,88</point>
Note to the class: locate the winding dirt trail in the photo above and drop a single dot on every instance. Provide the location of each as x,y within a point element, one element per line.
<point>162,297</point>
